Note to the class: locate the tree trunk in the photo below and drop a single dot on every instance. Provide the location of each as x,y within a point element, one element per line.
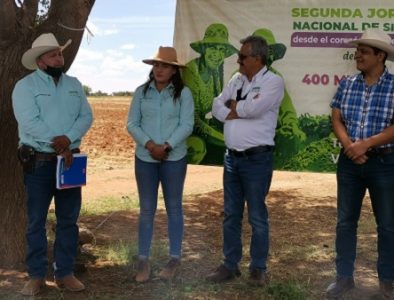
<point>12,204</point>
<point>17,31</point>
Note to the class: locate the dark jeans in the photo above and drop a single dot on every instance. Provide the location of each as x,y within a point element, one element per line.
<point>41,188</point>
<point>376,175</point>
<point>171,175</point>
<point>246,179</point>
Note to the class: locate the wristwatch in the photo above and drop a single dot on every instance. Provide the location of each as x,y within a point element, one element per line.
<point>167,147</point>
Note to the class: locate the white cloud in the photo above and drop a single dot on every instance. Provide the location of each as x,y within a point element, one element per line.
<point>127,47</point>
<point>89,55</point>
<point>99,31</point>
<point>109,71</point>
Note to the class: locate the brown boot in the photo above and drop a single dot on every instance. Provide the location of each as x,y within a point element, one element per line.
<point>340,287</point>
<point>70,283</point>
<point>170,269</point>
<point>32,287</point>
<point>143,270</point>
<point>258,278</point>
<point>223,274</point>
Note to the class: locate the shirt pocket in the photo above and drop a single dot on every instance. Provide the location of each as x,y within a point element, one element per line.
<point>172,108</point>
<point>73,104</point>
<point>44,100</point>
<point>383,111</point>
<point>149,108</point>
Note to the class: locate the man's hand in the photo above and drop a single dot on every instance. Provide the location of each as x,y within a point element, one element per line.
<point>360,160</point>
<point>60,143</point>
<point>232,104</point>
<point>68,158</point>
<point>356,149</point>
<point>232,115</point>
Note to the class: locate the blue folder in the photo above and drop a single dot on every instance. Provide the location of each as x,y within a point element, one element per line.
<point>75,175</point>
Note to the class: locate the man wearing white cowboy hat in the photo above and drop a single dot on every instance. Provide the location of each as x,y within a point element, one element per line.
<point>362,120</point>
<point>53,115</point>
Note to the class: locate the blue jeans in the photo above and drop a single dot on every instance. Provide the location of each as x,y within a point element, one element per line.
<point>171,175</point>
<point>246,178</point>
<point>376,175</point>
<point>41,188</point>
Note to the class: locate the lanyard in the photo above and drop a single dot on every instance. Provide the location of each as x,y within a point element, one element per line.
<point>239,91</point>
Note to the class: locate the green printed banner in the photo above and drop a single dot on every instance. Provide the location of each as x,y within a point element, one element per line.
<point>309,48</point>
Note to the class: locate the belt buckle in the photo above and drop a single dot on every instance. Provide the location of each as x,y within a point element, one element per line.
<point>236,153</point>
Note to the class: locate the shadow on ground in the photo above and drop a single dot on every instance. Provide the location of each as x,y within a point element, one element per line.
<point>300,263</point>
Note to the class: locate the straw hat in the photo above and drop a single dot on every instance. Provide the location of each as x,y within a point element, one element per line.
<point>215,34</point>
<point>165,55</point>
<point>44,43</point>
<point>378,39</point>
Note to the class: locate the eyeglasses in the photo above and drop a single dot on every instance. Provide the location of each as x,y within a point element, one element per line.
<point>242,57</point>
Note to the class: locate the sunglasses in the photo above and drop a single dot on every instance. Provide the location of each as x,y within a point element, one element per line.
<point>242,57</point>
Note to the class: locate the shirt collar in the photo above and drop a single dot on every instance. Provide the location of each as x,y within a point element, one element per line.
<point>382,77</point>
<point>258,74</point>
<point>45,76</point>
<point>170,86</point>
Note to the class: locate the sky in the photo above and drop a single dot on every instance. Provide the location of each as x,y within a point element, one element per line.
<point>124,33</point>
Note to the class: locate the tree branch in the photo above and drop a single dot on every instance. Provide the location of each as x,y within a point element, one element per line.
<point>71,14</point>
<point>30,10</point>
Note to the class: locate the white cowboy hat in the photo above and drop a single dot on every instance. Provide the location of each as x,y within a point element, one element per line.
<point>378,39</point>
<point>44,43</point>
<point>165,55</point>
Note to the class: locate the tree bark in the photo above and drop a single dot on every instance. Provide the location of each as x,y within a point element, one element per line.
<point>18,29</point>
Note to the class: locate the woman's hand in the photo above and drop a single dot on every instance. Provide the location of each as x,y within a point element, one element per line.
<point>157,151</point>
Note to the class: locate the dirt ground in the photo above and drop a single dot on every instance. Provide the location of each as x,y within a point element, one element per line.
<point>302,223</point>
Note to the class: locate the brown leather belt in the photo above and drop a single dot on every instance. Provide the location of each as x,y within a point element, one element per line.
<point>44,156</point>
<point>380,151</point>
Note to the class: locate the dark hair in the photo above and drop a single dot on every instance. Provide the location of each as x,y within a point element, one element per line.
<point>259,46</point>
<point>376,52</point>
<point>176,80</point>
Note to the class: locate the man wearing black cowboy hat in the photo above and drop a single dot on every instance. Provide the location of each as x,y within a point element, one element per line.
<point>362,120</point>
<point>53,115</point>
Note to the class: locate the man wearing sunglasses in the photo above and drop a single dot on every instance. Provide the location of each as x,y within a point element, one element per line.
<point>248,106</point>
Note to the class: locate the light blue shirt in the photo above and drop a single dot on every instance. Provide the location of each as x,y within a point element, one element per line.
<point>155,116</point>
<point>45,110</point>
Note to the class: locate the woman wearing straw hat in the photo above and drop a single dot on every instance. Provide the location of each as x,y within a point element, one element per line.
<point>53,115</point>
<point>160,119</point>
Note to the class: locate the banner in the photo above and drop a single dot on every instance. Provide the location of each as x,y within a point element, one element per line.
<point>308,47</point>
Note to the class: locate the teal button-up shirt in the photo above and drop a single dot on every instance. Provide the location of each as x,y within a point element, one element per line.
<point>45,110</point>
<point>155,116</point>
